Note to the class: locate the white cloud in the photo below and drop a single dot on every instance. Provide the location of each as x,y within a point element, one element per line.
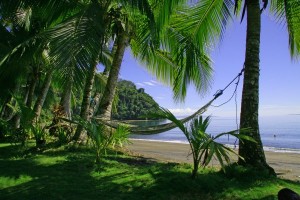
<point>182,111</point>
<point>155,82</point>
<point>149,83</point>
<point>159,97</point>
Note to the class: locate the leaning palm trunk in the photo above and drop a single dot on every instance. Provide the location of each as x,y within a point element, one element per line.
<point>41,98</point>
<point>80,135</point>
<point>252,153</point>
<point>105,105</point>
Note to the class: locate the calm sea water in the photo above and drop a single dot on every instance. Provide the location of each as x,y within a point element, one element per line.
<point>277,133</point>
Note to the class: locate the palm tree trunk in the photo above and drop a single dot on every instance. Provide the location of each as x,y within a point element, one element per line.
<point>252,153</point>
<point>80,136</point>
<point>94,104</point>
<point>105,105</point>
<point>29,94</point>
<point>65,101</point>
<point>41,98</point>
<point>32,86</point>
<point>195,168</point>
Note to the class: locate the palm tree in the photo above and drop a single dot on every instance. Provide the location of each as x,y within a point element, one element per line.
<point>250,95</point>
<point>211,16</point>
<point>164,63</point>
<point>174,60</point>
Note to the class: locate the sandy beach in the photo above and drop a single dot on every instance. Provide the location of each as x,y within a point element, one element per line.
<point>286,165</point>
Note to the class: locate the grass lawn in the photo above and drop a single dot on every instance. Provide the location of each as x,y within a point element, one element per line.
<point>69,173</point>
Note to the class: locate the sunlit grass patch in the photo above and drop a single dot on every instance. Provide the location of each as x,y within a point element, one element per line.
<point>6,182</point>
<point>47,161</point>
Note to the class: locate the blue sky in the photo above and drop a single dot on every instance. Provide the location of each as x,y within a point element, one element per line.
<point>279,75</point>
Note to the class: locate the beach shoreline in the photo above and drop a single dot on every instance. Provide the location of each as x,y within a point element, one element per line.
<point>285,164</point>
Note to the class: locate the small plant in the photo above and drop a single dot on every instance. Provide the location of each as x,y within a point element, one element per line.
<point>26,114</point>
<point>203,146</point>
<point>102,138</point>
<point>39,135</point>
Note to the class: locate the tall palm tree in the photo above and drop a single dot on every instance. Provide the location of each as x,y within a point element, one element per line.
<point>211,16</point>
<point>250,95</point>
<point>288,9</point>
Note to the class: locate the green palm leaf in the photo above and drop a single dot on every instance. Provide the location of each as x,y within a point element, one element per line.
<point>288,11</point>
<point>205,21</point>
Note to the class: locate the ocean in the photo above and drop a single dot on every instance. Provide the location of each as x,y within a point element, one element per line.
<point>278,133</point>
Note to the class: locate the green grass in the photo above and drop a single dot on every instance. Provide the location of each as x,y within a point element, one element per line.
<point>69,173</point>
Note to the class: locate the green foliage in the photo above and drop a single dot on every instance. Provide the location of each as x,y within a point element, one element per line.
<point>71,174</point>
<point>133,103</point>
<point>203,146</point>
<point>5,128</point>
<point>39,134</point>
<point>26,116</point>
<point>103,137</point>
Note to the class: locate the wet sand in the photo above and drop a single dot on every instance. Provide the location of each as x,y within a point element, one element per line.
<point>286,165</point>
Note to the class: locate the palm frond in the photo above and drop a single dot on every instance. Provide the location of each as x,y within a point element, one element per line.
<point>206,21</point>
<point>288,11</point>
<point>165,9</point>
<point>164,113</point>
<point>237,6</point>
<point>193,63</point>
<point>238,134</point>
<point>77,41</point>
<point>100,82</point>
<point>158,62</point>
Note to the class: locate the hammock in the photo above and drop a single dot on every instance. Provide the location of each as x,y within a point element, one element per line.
<point>149,130</point>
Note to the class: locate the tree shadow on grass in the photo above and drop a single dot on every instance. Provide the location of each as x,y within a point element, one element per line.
<point>73,175</point>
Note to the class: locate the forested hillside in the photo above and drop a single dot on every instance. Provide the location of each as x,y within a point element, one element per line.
<point>133,103</point>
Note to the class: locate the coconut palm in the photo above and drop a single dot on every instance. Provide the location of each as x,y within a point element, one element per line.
<point>250,96</point>
<point>168,53</point>
<point>28,56</point>
<point>211,15</point>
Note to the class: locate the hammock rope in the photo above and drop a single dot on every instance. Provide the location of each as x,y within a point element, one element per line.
<point>149,130</point>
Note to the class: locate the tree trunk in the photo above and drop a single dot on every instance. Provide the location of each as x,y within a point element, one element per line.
<point>32,86</point>
<point>195,169</point>
<point>252,153</point>
<point>6,111</point>
<point>94,104</point>
<point>29,94</point>
<point>65,101</point>
<point>42,96</point>
<point>105,105</point>
<point>80,136</point>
